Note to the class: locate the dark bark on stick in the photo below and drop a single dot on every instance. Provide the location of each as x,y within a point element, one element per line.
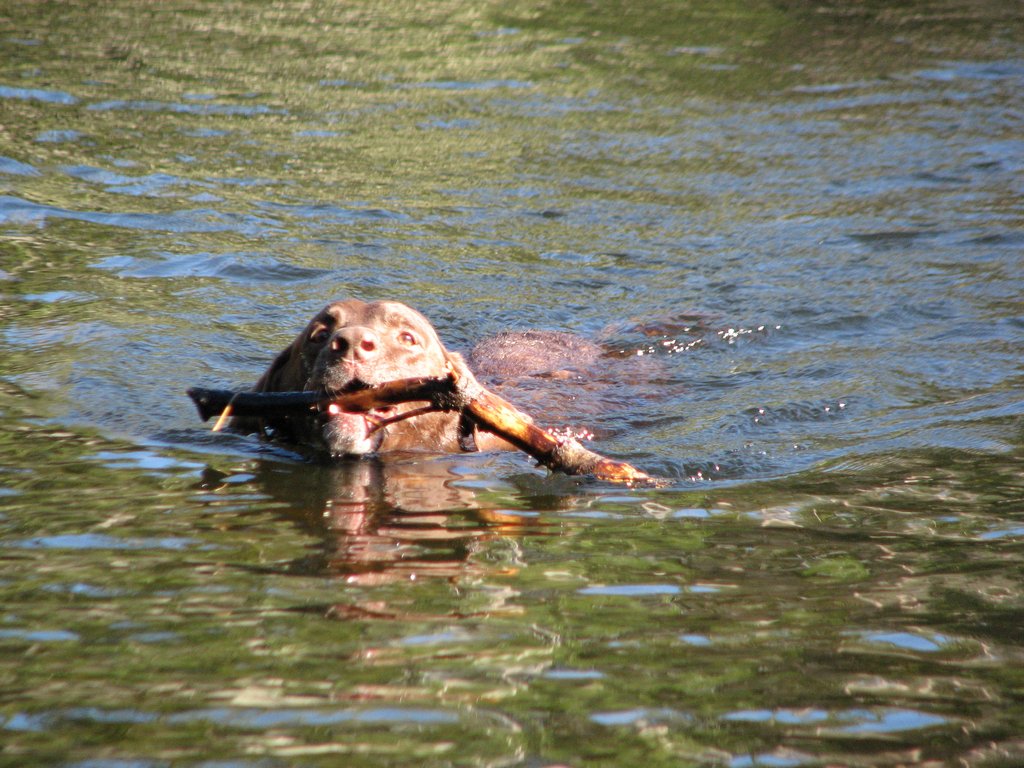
<point>460,392</point>
<point>212,402</point>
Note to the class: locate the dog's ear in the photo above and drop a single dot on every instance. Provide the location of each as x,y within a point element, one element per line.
<point>285,373</point>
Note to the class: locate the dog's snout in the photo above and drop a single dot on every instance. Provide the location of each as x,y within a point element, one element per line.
<point>355,343</point>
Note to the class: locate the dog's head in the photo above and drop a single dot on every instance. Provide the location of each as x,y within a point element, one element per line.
<point>350,345</point>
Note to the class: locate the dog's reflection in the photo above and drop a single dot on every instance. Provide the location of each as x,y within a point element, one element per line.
<point>402,517</point>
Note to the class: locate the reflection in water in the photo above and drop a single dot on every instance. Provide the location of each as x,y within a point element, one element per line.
<point>400,517</point>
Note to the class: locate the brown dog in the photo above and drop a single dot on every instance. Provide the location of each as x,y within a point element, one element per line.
<point>350,345</point>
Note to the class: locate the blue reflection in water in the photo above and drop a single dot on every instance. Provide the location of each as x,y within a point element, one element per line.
<point>38,635</point>
<point>853,721</point>
<point>908,640</point>
<point>36,94</point>
<point>632,590</point>
<point>98,541</point>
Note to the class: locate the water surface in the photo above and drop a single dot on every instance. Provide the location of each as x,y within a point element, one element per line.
<point>796,227</point>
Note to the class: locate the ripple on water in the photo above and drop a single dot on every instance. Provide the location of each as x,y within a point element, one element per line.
<point>271,718</point>
<point>973,70</point>
<point>873,219</point>
<point>249,718</point>
<point>469,85</point>
<point>38,635</point>
<point>136,186</point>
<point>909,642</point>
<point>58,137</point>
<point>12,167</point>
<point>793,413</point>
<point>241,267</point>
<point>15,210</point>
<point>849,722</point>
<point>200,108</point>
<point>37,94</point>
<point>329,213</point>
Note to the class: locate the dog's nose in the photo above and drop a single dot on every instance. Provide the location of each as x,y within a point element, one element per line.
<point>355,343</point>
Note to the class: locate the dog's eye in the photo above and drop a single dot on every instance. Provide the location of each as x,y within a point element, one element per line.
<point>319,336</point>
<point>407,339</point>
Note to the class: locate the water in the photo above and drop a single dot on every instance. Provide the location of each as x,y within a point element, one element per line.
<point>797,227</point>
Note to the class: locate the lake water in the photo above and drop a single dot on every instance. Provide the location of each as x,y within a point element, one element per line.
<point>798,227</point>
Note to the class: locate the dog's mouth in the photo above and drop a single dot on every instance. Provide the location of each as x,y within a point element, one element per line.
<point>354,433</point>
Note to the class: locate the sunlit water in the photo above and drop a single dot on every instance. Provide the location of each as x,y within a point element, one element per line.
<point>797,230</point>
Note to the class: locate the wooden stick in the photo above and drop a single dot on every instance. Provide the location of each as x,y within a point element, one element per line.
<point>211,402</point>
<point>497,415</point>
<point>459,391</point>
